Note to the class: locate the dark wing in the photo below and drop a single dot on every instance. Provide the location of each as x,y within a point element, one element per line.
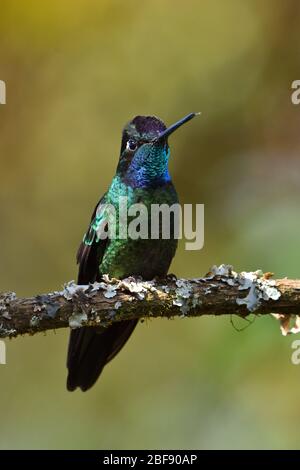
<point>91,250</point>
<point>91,348</point>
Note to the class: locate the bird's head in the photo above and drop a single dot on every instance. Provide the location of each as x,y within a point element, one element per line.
<point>145,151</point>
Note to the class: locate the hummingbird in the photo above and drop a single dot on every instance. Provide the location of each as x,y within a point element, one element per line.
<point>142,176</point>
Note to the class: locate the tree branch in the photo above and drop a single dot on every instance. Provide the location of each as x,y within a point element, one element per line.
<point>221,292</point>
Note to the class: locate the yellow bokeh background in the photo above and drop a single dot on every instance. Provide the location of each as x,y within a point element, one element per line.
<point>75,73</point>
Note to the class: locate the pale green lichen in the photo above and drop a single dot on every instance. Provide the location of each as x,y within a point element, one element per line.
<point>70,289</point>
<point>47,305</point>
<point>4,332</point>
<point>77,320</point>
<point>134,287</point>
<point>110,286</point>
<point>111,291</point>
<point>165,289</point>
<point>222,270</point>
<point>196,301</point>
<point>183,294</point>
<point>4,303</point>
<point>260,288</point>
<point>34,321</point>
<point>251,300</point>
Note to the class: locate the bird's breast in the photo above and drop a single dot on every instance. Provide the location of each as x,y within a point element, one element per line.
<point>143,255</point>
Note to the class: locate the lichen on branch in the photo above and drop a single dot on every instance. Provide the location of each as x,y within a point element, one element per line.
<point>221,292</point>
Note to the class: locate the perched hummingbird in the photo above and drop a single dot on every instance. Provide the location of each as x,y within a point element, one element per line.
<point>143,177</point>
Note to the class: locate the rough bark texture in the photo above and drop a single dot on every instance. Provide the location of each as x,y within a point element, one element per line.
<point>221,292</point>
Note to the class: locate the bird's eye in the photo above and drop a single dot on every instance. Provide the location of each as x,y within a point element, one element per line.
<point>131,145</point>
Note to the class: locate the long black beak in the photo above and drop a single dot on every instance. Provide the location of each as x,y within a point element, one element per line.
<point>165,134</point>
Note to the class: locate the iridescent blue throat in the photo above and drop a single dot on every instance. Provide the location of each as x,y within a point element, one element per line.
<point>149,167</point>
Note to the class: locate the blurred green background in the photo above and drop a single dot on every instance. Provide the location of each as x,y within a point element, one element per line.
<point>75,73</point>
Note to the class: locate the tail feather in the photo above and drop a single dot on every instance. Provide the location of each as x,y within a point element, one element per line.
<point>90,349</point>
